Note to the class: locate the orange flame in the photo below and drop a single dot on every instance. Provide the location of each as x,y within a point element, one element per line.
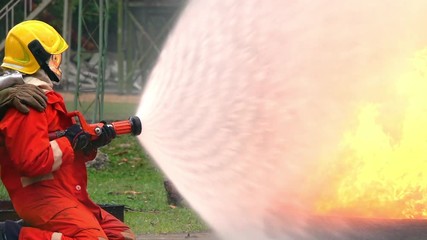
<point>381,171</point>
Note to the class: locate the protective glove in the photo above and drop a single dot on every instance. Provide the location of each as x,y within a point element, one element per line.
<point>21,96</point>
<point>107,134</point>
<point>78,138</point>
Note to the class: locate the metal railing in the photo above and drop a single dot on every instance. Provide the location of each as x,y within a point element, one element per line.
<point>8,13</point>
<point>12,14</point>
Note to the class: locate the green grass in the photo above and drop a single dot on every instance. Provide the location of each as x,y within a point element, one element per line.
<point>131,179</point>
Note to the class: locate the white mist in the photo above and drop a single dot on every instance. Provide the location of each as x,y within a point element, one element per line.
<point>250,100</point>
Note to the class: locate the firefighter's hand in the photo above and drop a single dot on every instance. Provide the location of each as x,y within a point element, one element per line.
<point>78,138</point>
<point>108,133</point>
<point>23,96</point>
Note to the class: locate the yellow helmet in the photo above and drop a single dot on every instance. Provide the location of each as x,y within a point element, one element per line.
<point>30,44</point>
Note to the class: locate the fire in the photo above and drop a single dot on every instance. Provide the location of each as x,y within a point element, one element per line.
<point>381,171</point>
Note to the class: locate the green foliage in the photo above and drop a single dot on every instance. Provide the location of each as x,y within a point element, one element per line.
<point>90,10</point>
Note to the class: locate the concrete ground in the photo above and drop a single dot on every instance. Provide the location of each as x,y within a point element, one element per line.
<point>182,236</point>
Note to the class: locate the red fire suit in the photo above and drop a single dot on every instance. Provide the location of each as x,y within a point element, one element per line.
<point>47,180</point>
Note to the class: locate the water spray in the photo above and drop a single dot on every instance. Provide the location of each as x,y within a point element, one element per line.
<point>284,119</point>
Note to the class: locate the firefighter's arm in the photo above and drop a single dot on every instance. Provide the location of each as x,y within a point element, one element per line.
<point>14,93</point>
<point>27,141</point>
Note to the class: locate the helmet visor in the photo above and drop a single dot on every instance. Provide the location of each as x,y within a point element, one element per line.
<point>55,61</point>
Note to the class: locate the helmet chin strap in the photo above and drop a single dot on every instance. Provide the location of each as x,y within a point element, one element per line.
<point>42,57</point>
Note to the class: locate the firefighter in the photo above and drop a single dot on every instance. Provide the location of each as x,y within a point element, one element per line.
<point>46,180</point>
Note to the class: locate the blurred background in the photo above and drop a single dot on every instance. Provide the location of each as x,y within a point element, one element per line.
<point>113,47</point>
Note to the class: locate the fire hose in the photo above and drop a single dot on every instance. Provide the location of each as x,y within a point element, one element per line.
<point>132,126</point>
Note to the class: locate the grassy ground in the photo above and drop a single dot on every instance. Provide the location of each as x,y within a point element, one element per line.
<point>133,180</point>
